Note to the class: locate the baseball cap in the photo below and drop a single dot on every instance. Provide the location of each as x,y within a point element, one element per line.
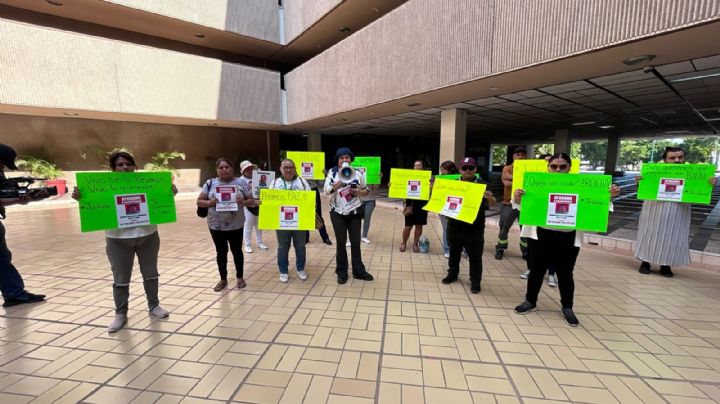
<point>467,161</point>
<point>7,156</point>
<point>520,149</point>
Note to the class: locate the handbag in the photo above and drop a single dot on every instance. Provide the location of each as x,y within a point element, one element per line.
<point>203,212</point>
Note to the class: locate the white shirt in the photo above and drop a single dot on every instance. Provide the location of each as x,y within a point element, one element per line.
<point>297,184</point>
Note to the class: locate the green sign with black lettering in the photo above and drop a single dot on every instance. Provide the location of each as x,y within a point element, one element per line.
<point>689,183</point>
<point>564,201</point>
<point>112,200</point>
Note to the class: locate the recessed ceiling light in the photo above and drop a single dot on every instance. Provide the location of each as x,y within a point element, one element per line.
<point>414,104</point>
<point>375,10</point>
<point>583,123</point>
<point>199,35</point>
<point>70,113</point>
<point>344,29</point>
<point>605,126</point>
<point>55,2</point>
<point>636,60</point>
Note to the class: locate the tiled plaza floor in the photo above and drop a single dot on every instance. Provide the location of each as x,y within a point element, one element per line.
<point>404,338</point>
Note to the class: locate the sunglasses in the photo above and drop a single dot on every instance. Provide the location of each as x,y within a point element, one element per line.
<point>559,166</point>
<point>467,168</point>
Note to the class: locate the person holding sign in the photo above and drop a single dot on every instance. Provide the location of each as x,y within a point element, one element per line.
<point>415,215</point>
<point>122,245</point>
<point>556,247</point>
<point>345,215</point>
<point>251,213</point>
<point>507,213</point>
<point>289,180</point>
<point>664,227</point>
<point>468,236</point>
<point>225,196</point>
<point>446,168</point>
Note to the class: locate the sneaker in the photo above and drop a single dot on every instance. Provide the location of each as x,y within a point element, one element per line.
<point>447,255</point>
<point>499,254</point>
<point>30,298</point>
<point>525,274</point>
<point>262,246</point>
<point>342,279</point>
<point>347,244</point>
<point>220,285</point>
<point>449,279</point>
<point>365,276</point>
<point>327,241</point>
<point>159,312</point>
<point>644,268</point>
<point>284,278</point>
<point>474,286</point>
<point>302,275</point>
<point>552,281</point>
<point>569,317</point>
<point>666,271</point>
<point>525,307</point>
<point>365,240</point>
<point>118,323</point>
<point>248,249</point>
<point>240,283</point>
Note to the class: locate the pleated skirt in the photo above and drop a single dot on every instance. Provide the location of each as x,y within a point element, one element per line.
<point>663,236</point>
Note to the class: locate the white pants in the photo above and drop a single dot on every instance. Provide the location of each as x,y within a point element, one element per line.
<point>251,221</point>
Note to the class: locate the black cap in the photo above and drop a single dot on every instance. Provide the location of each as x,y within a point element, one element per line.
<point>520,149</point>
<point>342,152</point>
<point>7,156</point>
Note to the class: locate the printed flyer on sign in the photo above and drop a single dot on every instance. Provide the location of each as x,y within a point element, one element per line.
<point>132,210</point>
<point>671,189</point>
<point>289,218</point>
<point>562,210</point>
<point>309,164</point>
<point>261,180</point>
<point>226,196</point>
<point>409,184</point>
<point>453,206</point>
<point>346,201</point>
<point>372,167</point>
<point>459,200</point>
<point>413,189</point>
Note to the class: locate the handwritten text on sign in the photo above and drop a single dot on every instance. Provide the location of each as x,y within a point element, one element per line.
<point>459,200</point>
<point>286,210</point>
<point>689,183</point>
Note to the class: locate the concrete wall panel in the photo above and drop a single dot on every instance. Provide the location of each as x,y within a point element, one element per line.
<point>302,14</point>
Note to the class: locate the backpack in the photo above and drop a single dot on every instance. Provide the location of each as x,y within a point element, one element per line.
<point>203,212</point>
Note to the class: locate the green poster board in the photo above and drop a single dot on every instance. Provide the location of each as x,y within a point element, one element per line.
<point>689,183</point>
<point>577,201</point>
<point>111,200</point>
<point>286,210</point>
<point>309,165</point>
<point>520,167</point>
<point>372,168</point>
<point>409,184</point>
<point>451,176</point>
<point>459,200</point>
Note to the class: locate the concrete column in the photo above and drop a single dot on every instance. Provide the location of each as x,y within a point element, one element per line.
<point>314,142</point>
<point>613,151</point>
<point>562,141</point>
<point>453,130</point>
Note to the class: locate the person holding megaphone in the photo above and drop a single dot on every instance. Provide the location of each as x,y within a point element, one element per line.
<point>345,187</point>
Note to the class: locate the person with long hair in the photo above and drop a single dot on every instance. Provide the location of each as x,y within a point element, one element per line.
<point>227,226</point>
<point>122,245</point>
<point>415,216</point>
<point>548,246</point>
<point>664,227</point>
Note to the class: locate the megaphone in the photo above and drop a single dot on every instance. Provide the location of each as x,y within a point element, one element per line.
<point>346,174</point>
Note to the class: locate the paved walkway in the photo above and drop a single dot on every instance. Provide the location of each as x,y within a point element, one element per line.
<point>404,338</point>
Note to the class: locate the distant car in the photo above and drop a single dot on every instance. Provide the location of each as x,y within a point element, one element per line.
<point>600,168</point>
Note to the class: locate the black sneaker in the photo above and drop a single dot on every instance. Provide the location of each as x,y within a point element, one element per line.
<point>342,279</point>
<point>644,268</point>
<point>365,276</point>
<point>475,286</point>
<point>524,256</point>
<point>449,279</point>
<point>29,298</point>
<point>525,307</point>
<point>498,254</point>
<point>666,271</point>
<point>327,241</point>
<point>569,317</point>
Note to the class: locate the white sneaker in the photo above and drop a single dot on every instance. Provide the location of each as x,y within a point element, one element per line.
<point>262,246</point>
<point>248,249</point>
<point>283,278</point>
<point>365,240</point>
<point>552,281</point>
<point>302,275</point>
<point>159,312</point>
<point>447,255</point>
<point>118,323</point>
<point>347,244</point>
<point>525,274</point>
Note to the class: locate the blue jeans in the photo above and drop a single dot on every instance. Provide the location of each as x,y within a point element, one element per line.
<point>11,283</point>
<point>368,207</point>
<point>284,238</point>
<point>444,222</point>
